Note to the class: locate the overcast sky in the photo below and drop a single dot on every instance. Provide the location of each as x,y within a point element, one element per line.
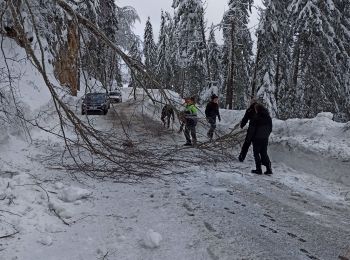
<point>152,8</point>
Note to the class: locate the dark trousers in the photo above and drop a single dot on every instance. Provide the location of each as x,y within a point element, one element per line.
<point>190,131</point>
<point>212,122</point>
<point>260,153</point>
<point>166,121</point>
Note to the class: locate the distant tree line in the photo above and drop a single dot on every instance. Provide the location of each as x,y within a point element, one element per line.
<point>301,65</point>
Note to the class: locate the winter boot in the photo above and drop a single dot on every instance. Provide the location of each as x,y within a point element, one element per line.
<point>257,171</point>
<point>194,142</point>
<point>268,170</point>
<point>210,136</point>
<point>188,144</point>
<point>240,158</point>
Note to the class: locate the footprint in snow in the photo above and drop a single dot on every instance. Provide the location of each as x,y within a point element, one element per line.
<point>239,203</point>
<point>270,217</point>
<point>209,195</point>
<point>308,254</point>
<point>209,227</point>
<point>230,192</point>
<point>296,237</point>
<point>271,229</point>
<point>182,193</point>
<point>229,211</point>
<point>292,235</point>
<point>188,207</point>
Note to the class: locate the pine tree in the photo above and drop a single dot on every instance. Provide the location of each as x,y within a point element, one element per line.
<point>237,52</point>
<point>107,59</point>
<point>98,60</point>
<point>173,71</point>
<point>167,66</point>
<point>214,56</point>
<point>127,16</point>
<point>149,50</point>
<point>323,55</point>
<point>135,78</point>
<point>304,57</point>
<point>189,17</point>
<point>161,50</point>
<point>271,73</point>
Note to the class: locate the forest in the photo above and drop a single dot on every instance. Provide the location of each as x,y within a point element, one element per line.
<point>300,66</point>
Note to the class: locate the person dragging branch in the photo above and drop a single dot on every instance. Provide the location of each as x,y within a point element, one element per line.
<point>189,120</point>
<point>248,116</point>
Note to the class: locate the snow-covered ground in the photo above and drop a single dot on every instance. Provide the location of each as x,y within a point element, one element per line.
<point>199,211</point>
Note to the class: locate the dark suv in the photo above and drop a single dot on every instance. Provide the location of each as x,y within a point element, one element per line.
<point>95,102</point>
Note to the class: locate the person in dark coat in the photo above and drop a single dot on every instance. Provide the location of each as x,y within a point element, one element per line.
<point>211,112</point>
<point>248,116</point>
<point>167,114</point>
<point>261,125</point>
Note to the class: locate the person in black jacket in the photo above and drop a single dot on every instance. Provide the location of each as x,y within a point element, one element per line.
<point>167,114</point>
<point>248,116</point>
<point>211,112</point>
<point>261,125</point>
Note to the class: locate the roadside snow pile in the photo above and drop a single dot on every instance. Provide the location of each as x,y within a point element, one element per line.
<point>229,118</point>
<point>23,95</point>
<point>319,135</point>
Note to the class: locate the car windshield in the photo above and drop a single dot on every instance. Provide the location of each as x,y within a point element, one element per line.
<point>98,97</point>
<point>115,93</point>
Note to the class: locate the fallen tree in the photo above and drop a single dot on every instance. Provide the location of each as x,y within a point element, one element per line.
<point>91,150</point>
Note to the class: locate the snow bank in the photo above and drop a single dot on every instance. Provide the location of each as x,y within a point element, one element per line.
<point>24,96</point>
<point>320,135</point>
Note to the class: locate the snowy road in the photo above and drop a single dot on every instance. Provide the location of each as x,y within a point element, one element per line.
<point>210,212</point>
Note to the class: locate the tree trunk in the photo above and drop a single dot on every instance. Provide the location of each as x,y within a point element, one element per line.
<point>257,60</point>
<point>294,81</point>
<point>230,75</point>
<point>209,79</point>
<point>277,76</point>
